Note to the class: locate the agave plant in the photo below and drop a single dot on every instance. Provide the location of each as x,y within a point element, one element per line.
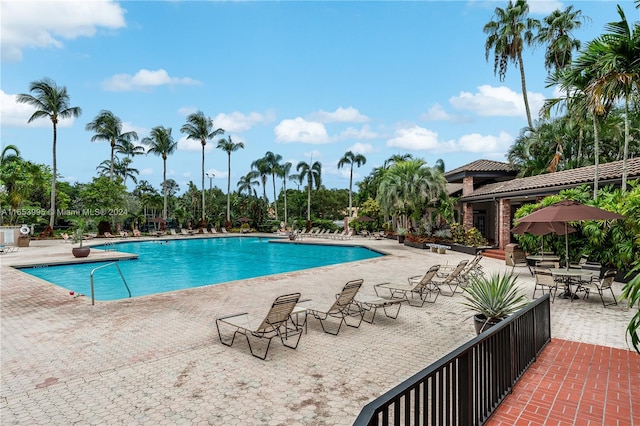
<point>494,296</point>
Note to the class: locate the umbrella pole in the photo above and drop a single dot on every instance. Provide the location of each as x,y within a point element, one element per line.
<point>566,246</point>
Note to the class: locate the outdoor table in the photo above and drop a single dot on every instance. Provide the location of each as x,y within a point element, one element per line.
<point>542,257</point>
<point>565,274</point>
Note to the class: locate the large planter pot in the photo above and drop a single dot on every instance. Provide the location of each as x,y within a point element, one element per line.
<point>81,251</point>
<point>466,249</point>
<point>481,324</point>
<point>401,239</point>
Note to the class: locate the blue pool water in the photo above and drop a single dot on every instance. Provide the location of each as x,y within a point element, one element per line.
<point>185,263</point>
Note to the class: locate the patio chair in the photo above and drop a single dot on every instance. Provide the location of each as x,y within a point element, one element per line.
<point>517,260</point>
<point>421,285</point>
<point>136,233</point>
<point>66,237</point>
<point>453,279</point>
<point>544,281</point>
<point>277,323</point>
<point>600,284</point>
<point>342,308</point>
<point>108,235</point>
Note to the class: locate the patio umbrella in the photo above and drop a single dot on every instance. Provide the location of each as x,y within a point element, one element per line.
<point>542,228</point>
<point>567,211</point>
<point>244,219</point>
<point>364,219</point>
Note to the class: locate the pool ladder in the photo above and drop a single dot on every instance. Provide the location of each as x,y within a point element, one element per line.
<point>93,299</point>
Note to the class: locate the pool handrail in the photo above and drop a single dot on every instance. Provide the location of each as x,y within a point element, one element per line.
<point>93,299</point>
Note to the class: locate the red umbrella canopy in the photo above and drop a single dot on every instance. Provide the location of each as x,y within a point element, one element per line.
<point>569,211</point>
<point>542,228</point>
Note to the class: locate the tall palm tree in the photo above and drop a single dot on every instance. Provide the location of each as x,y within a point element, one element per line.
<point>261,170</point>
<point>52,102</point>
<point>129,149</point>
<point>121,169</point>
<point>396,158</point>
<point>247,183</point>
<point>507,34</point>
<point>108,127</point>
<point>284,170</point>
<point>617,55</point>
<point>200,128</point>
<point>351,159</point>
<point>313,173</point>
<point>7,156</point>
<point>556,31</point>
<point>273,163</point>
<point>228,146</point>
<point>162,144</point>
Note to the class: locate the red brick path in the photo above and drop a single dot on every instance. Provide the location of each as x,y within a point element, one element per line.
<point>574,383</point>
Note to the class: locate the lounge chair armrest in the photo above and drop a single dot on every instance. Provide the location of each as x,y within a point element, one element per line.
<point>231,316</point>
<point>415,278</point>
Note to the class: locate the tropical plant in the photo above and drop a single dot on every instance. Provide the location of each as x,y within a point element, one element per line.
<point>247,183</point>
<point>161,143</point>
<point>312,172</point>
<point>260,170</point>
<point>228,146</point>
<point>284,170</point>
<point>199,127</point>
<point>494,296</point>
<point>273,164</point>
<point>508,32</point>
<point>52,102</point>
<point>351,159</point>
<point>556,31</point>
<point>631,292</point>
<point>108,127</point>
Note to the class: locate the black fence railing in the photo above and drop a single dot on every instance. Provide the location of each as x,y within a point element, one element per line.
<point>467,385</point>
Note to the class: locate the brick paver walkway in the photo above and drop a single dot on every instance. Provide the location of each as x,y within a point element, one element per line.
<point>574,383</point>
<point>158,360</point>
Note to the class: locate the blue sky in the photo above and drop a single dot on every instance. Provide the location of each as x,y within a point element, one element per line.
<point>301,79</point>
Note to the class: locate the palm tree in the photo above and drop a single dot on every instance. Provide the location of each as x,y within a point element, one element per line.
<point>284,170</point>
<point>246,183</point>
<point>200,128</point>
<point>351,159</point>
<point>108,127</point>
<point>273,163</point>
<point>396,158</point>
<point>260,170</point>
<point>556,31</point>
<point>617,71</point>
<point>129,149</point>
<point>313,173</point>
<point>6,156</point>
<point>407,186</point>
<point>161,143</point>
<point>507,34</point>
<point>53,102</point>
<point>228,146</point>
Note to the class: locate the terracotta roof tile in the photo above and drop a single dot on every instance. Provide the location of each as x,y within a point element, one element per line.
<point>573,177</point>
<point>483,166</point>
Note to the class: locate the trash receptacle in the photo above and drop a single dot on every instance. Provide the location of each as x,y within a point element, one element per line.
<point>514,249</point>
<point>23,241</point>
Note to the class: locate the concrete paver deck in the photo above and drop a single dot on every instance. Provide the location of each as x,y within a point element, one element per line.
<point>157,359</point>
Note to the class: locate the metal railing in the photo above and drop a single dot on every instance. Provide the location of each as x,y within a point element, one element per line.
<point>93,299</point>
<point>467,385</point>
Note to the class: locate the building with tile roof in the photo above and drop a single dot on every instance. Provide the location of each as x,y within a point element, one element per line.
<point>491,192</point>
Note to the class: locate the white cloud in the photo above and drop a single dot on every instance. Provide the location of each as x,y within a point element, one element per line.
<point>44,24</point>
<point>418,138</point>
<point>148,171</point>
<point>340,115</point>
<point>496,101</point>
<point>130,127</point>
<point>437,113</point>
<point>364,133</point>
<point>15,114</point>
<point>144,80</point>
<point>185,111</point>
<point>239,122</point>
<point>415,138</point>
<point>544,7</point>
<point>361,148</point>
<point>185,144</point>
<point>301,130</point>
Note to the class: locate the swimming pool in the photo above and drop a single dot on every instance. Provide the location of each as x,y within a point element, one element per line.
<point>167,265</point>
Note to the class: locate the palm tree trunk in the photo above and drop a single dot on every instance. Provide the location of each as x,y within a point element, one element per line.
<point>113,147</point>
<point>309,198</point>
<point>164,189</point>
<point>284,188</point>
<point>626,143</point>
<point>596,154</point>
<point>203,144</point>
<point>229,188</point>
<point>524,90</point>
<point>52,212</point>
<point>275,200</point>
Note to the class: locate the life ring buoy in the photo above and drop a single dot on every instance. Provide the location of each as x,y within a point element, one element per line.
<point>24,230</point>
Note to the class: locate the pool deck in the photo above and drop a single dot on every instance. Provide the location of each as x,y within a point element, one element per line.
<point>158,360</point>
